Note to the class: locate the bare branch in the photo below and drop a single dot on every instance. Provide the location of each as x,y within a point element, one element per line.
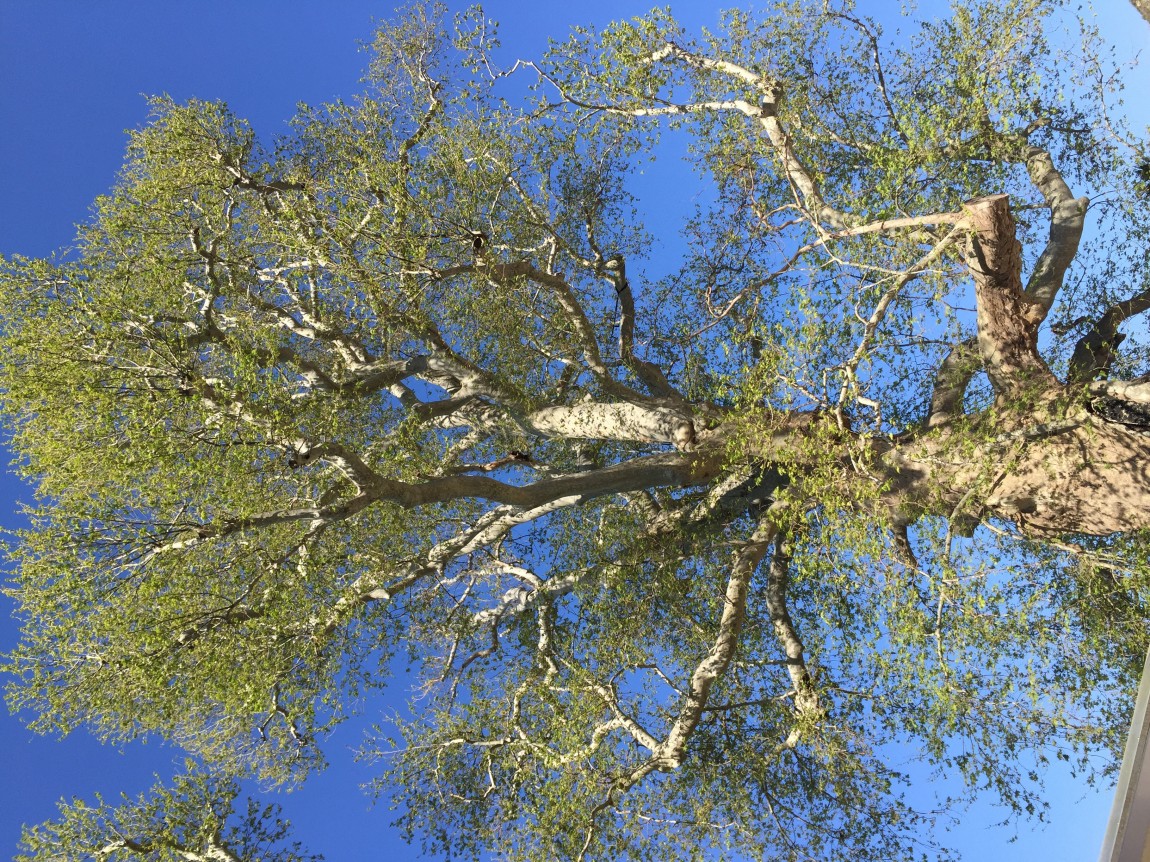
<point>520,599</point>
<point>1095,351</point>
<point>879,313</point>
<point>876,62</point>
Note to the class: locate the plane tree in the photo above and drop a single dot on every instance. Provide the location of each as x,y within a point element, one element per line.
<point>684,530</point>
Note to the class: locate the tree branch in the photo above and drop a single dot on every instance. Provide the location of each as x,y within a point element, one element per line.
<point>1095,351</point>
<point>626,422</point>
<point>1007,319</point>
<point>766,114</point>
<point>778,579</point>
<point>650,373</point>
<point>1067,217</point>
<point>501,273</point>
<point>672,750</point>
<point>951,380</point>
<point>872,323</point>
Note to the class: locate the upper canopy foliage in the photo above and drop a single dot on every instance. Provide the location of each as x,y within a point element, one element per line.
<point>681,530</point>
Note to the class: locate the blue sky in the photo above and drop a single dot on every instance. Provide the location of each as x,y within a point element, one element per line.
<point>73,76</point>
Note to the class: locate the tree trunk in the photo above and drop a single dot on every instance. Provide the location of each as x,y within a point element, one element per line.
<point>1082,474</point>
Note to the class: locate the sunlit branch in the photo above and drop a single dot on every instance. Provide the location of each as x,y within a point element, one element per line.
<point>389,581</point>
<point>519,600</point>
<point>669,753</point>
<point>787,266</point>
<point>806,696</point>
<point>1137,391</point>
<point>214,852</point>
<point>622,421</point>
<point>673,748</point>
<point>879,313</point>
<point>434,109</point>
<point>765,114</point>
<point>1067,218</point>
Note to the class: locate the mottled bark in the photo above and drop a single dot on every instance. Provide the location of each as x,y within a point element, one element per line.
<point>1007,319</point>
<point>1077,474</point>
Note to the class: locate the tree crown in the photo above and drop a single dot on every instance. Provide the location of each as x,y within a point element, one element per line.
<point>680,536</point>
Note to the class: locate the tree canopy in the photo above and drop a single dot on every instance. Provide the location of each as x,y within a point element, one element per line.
<point>194,820</point>
<point>683,534</point>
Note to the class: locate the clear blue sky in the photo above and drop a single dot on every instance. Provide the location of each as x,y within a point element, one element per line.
<point>73,76</point>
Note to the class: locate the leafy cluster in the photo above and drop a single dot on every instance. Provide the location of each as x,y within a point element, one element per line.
<point>190,820</point>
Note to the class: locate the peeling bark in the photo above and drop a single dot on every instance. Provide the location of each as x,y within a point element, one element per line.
<point>621,421</point>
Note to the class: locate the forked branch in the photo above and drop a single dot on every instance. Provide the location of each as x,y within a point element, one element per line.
<point>1095,352</point>
<point>673,748</point>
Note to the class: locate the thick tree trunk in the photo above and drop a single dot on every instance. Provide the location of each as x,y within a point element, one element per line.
<point>1062,469</point>
<point>1055,458</point>
<point>1082,474</point>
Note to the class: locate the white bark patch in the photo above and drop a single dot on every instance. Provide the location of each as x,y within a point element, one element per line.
<point>629,422</point>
